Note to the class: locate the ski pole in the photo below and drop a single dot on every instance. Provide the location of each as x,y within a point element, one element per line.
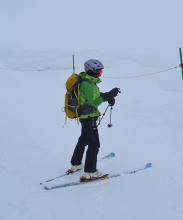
<point>103,115</point>
<point>110,124</point>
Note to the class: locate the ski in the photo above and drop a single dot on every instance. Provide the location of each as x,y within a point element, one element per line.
<point>147,165</point>
<point>79,183</point>
<point>108,156</point>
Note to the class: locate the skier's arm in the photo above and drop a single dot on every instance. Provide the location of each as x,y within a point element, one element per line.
<point>92,94</point>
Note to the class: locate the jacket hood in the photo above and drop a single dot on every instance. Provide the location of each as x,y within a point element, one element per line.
<point>84,75</point>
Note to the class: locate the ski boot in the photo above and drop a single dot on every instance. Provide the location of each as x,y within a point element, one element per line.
<point>92,176</point>
<point>74,168</point>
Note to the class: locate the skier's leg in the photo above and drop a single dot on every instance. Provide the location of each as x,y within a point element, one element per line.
<point>80,146</point>
<point>93,146</point>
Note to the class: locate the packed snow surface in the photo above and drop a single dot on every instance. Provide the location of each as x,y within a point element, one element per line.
<point>35,146</point>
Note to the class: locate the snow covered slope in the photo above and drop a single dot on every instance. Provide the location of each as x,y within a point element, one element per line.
<point>147,127</point>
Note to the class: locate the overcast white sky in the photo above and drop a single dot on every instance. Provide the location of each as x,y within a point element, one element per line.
<point>83,24</point>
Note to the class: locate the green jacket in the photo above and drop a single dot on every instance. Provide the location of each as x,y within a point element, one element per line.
<point>90,97</point>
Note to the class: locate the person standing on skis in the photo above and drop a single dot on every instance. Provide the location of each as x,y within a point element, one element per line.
<point>90,99</point>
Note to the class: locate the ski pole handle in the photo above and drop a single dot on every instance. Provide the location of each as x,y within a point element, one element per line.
<point>119,90</point>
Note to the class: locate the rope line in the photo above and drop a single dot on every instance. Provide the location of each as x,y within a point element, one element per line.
<point>143,75</point>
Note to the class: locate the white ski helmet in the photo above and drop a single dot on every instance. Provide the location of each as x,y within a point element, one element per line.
<point>93,65</point>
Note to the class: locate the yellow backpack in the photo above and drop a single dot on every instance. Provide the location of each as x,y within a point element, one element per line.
<point>72,102</point>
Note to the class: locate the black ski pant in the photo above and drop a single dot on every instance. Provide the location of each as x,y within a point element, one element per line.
<point>89,136</point>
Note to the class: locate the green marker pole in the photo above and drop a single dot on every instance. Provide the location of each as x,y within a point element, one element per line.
<point>73,64</point>
<point>181,61</point>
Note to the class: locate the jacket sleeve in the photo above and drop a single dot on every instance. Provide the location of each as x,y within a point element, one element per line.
<point>91,94</point>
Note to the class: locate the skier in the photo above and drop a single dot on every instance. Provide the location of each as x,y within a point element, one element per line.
<point>90,99</point>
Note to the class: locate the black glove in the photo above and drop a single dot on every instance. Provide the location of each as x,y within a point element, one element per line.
<point>111,101</point>
<point>111,94</point>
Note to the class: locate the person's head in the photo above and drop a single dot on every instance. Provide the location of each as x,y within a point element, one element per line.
<point>93,68</point>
